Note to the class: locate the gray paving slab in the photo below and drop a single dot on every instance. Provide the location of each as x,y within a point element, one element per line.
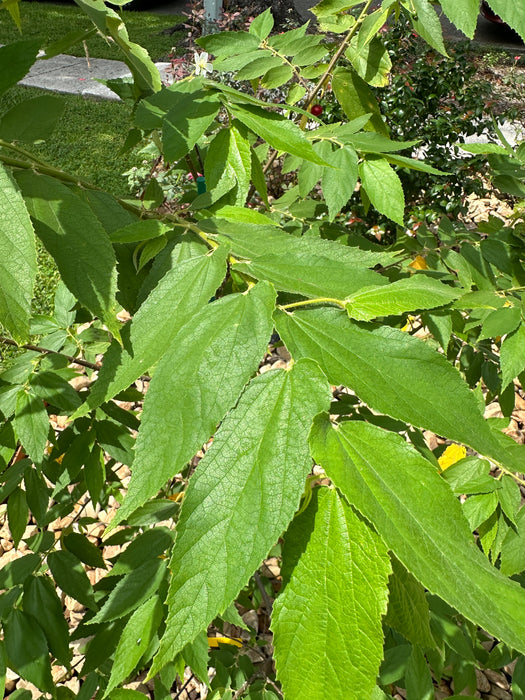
<point>77,76</point>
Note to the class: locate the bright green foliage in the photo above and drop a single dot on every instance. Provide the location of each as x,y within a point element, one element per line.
<point>391,371</point>
<point>17,259</point>
<point>408,611</point>
<point>258,462</point>
<point>179,294</point>
<point>383,187</point>
<point>332,605</point>
<point>417,292</point>
<point>375,471</point>
<point>31,424</point>
<point>179,421</point>
<point>132,590</point>
<point>463,14</point>
<point>250,310</point>
<point>76,240</point>
<point>512,355</point>
<point>26,649</point>
<point>136,637</point>
<point>42,602</point>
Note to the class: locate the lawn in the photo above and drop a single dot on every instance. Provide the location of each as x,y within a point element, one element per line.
<point>87,140</point>
<point>87,143</point>
<point>54,21</point>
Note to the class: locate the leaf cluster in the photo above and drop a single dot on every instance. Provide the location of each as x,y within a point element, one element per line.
<point>302,383</point>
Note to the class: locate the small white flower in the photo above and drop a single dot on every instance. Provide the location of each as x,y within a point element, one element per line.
<point>202,66</point>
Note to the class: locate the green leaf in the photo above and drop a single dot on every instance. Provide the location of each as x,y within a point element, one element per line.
<point>258,177</point>
<point>242,495</point>
<point>258,67</point>
<point>31,120</point>
<point>177,297</point>
<point>37,494</point>
<point>418,680</point>
<point>463,14</point>
<point>148,545</point>
<point>383,188</point>
<point>176,421</point>
<point>142,230</point>
<point>427,24</point>
<point>126,694</point>
<point>31,424</point>
<point>228,43</point>
<point>146,77</point>
<point>372,62</point>
<point>236,62</point>
<point>228,163</point>
<point>79,545</point>
<point>512,356</point>
<point>95,473</point>
<point>15,572</point>
<point>54,389</point>
<point>134,641</point>
<point>15,61</point>
<point>396,374</point>
<point>17,257</point>
<point>500,322</point>
<point>408,611</point>
<point>357,99</point>
<point>76,240</point>
<point>26,650</point>
<point>518,679</point>
<point>41,601</point>
<point>412,164</point>
<point>513,548</point>
<point>262,25</point>
<point>17,515</point>
<point>70,576</point>
<point>509,497</point>
<point>276,77</point>
<point>339,182</point>
<point>3,668</point>
<point>278,131</point>
<point>189,116</point>
<point>9,600</point>
<point>483,148</point>
<point>310,266</point>
<point>132,590</point>
<point>409,294</point>
<point>145,74</point>
<point>421,522</point>
<point>196,656</point>
<point>372,142</point>
<point>331,608</point>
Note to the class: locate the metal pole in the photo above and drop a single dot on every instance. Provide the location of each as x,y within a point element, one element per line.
<point>212,10</point>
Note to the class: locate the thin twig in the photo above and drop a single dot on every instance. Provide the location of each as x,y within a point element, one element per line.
<point>184,687</point>
<point>47,351</point>
<point>247,684</point>
<point>266,598</point>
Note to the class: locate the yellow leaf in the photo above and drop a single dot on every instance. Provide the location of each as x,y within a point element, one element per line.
<point>215,641</point>
<point>419,263</point>
<point>451,455</point>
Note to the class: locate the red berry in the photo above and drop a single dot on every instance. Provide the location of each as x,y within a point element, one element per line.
<point>316,110</point>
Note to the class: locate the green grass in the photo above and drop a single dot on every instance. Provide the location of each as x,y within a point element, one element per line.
<point>53,22</point>
<point>85,143</point>
<point>87,140</point>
